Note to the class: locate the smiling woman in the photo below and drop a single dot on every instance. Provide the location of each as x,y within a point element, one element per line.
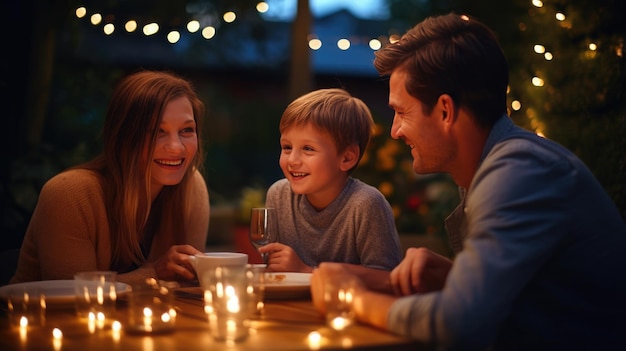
<point>175,146</point>
<point>141,207</point>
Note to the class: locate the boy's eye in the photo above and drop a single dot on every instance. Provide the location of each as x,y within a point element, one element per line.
<point>307,148</point>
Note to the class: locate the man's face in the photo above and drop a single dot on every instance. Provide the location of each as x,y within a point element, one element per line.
<point>424,134</point>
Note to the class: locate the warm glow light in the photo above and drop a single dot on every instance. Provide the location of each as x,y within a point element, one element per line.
<point>548,56</point>
<point>262,7</point>
<point>208,32</point>
<point>109,28</point>
<point>131,26</point>
<point>229,17</point>
<point>343,44</point>
<point>540,49</point>
<point>394,38</point>
<point>57,333</point>
<point>23,322</point>
<point>173,37</point>
<point>193,26</point>
<point>375,44</point>
<point>538,82</point>
<point>314,340</point>
<point>593,47</point>
<point>315,44</point>
<point>516,105</point>
<point>96,18</point>
<point>560,17</point>
<point>537,3</point>
<point>150,29</point>
<point>81,12</point>
<point>116,326</point>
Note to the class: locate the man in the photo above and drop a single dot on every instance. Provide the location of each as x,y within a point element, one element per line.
<point>538,242</point>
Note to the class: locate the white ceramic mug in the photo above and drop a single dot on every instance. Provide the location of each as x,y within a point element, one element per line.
<point>203,264</point>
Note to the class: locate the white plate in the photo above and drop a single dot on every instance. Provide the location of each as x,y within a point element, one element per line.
<point>57,291</point>
<point>284,285</point>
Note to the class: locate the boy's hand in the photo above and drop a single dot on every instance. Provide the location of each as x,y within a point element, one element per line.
<point>282,258</point>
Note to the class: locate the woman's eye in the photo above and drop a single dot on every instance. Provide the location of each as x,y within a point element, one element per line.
<point>189,130</point>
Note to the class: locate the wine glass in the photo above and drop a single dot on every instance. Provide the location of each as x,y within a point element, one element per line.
<point>263,227</point>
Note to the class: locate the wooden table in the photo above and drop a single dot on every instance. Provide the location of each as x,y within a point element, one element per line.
<point>284,325</point>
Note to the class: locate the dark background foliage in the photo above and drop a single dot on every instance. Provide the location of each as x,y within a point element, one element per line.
<point>58,73</point>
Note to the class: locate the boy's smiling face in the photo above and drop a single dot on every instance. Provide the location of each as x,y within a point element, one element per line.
<point>310,161</point>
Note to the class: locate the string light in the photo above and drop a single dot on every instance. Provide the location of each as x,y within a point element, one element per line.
<point>375,44</point>
<point>108,28</point>
<point>193,26</point>
<point>150,29</point>
<point>173,37</point>
<point>96,18</point>
<point>130,26</point>
<point>343,44</point>
<point>315,44</point>
<point>262,7</point>
<point>208,32</point>
<point>81,12</point>
<point>229,17</point>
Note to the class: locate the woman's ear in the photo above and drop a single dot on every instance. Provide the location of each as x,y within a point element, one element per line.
<point>350,157</point>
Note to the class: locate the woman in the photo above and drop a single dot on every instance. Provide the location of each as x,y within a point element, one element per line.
<point>142,206</point>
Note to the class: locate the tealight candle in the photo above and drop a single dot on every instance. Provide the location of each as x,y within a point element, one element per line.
<point>151,308</point>
<point>57,336</point>
<point>228,297</point>
<point>116,328</point>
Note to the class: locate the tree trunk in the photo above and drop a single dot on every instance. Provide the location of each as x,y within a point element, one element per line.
<point>300,75</point>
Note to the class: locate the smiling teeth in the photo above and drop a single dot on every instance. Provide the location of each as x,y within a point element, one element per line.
<point>170,163</point>
<point>298,174</point>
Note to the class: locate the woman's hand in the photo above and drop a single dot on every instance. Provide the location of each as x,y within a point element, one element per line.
<point>282,258</point>
<point>174,264</point>
<point>420,271</point>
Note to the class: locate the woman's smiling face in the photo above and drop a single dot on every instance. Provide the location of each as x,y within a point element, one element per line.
<point>176,145</point>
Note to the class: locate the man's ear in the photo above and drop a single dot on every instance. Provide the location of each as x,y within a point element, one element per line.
<point>446,109</point>
<point>350,157</point>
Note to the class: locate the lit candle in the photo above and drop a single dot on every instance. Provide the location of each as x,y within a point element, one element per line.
<point>116,328</point>
<point>57,336</point>
<point>91,322</point>
<point>147,319</point>
<point>314,340</point>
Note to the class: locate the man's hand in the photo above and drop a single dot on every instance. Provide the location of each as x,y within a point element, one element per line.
<point>420,271</point>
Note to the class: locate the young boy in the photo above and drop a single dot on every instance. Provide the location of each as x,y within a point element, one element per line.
<point>324,214</point>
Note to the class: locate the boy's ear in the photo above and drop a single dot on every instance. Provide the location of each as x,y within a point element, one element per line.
<point>350,157</point>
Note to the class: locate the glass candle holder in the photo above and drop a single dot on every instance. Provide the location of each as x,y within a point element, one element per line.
<point>255,275</point>
<point>26,307</point>
<point>96,294</point>
<point>151,308</point>
<point>228,295</point>
<point>339,298</point>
